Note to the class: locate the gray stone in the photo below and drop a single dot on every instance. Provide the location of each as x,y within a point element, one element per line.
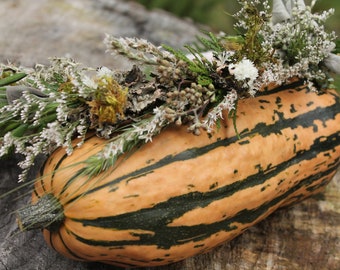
<point>31,32</point>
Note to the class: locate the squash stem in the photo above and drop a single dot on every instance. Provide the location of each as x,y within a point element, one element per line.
<point>46,213</point>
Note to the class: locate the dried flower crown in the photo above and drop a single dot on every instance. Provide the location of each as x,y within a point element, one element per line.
<point>49,106</point>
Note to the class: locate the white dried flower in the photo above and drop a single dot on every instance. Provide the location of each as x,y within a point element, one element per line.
<point>137,49</point>
<point>244,70</point>
<point>112,149</point>
<point>147,130</point>
<point>87,81</point>
<point>7,142</point>
<point>104,72</point>
<point>228,103</point>
<point>53,133</point>
<point>208,55</point>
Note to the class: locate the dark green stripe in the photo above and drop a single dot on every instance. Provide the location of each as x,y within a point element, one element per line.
<point>166,237</point>
<point>298,85</point>
<point>305,120</point>
<point>157,218</point>
<point>74,177</point>
<point>56,167</point>
<point>70,250</point>
<point>51,242</point>
<point>60,161</point>
<point>42,179</point>
<point>47,163</point>
<point>36,194</point>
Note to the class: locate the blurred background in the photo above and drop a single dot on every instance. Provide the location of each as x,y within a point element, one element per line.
<point>217,14</point>
<point>214,13</point>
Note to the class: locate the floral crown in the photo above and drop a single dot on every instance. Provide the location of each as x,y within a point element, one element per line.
<point>48,106</point>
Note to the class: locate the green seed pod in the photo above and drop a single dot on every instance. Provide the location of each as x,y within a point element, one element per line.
<point>20,130</point>
<point>12,79</point>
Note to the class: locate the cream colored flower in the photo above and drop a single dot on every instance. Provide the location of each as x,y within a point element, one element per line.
<point>244,70</point>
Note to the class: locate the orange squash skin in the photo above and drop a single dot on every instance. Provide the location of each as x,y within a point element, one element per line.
<point>181,195</point>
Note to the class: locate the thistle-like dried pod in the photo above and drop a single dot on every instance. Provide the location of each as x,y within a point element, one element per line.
<point>282,9</point>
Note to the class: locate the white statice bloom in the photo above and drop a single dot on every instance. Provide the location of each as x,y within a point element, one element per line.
<point>20,146</point>
<point>158,113</point>
<point>68,147</point>
<point>112,150</point>
<point>148,129</point>
<point>228,103</point>
<point>244,70</point>
<point>270,75</point>
<point>28,101</point>
<point>146,137</point>
<point>8,141</point>
<point>62,109</point>
<point>34,149</point>
<point>86,86</point>
<point>68,133</point>
<point>253,90</point>
<point>144,133</point>
<point>52,133</point>
<point>105,131</point>
<point>311,86</point>
<point>222,59</point>
<point>81,129</point>
<point>62,112</point>
<point>52,95</point>
<point>294,14</point>
<point>89,82</point>
<point>38,113</point>
<point>104,72</point>
<point>209,55</point>
<point>30,155</point>
<point>165,55</point>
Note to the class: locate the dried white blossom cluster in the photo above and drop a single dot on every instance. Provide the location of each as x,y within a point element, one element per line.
<point>55,104</point>
<point>300,39</point>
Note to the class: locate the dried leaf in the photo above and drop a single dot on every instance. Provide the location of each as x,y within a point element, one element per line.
<point>332,62</point>
<point>15,92</point>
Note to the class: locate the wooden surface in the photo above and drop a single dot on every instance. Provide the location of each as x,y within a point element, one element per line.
<point>304,236</point>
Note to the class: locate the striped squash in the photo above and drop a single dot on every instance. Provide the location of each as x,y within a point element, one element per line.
<point>181,194</point>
